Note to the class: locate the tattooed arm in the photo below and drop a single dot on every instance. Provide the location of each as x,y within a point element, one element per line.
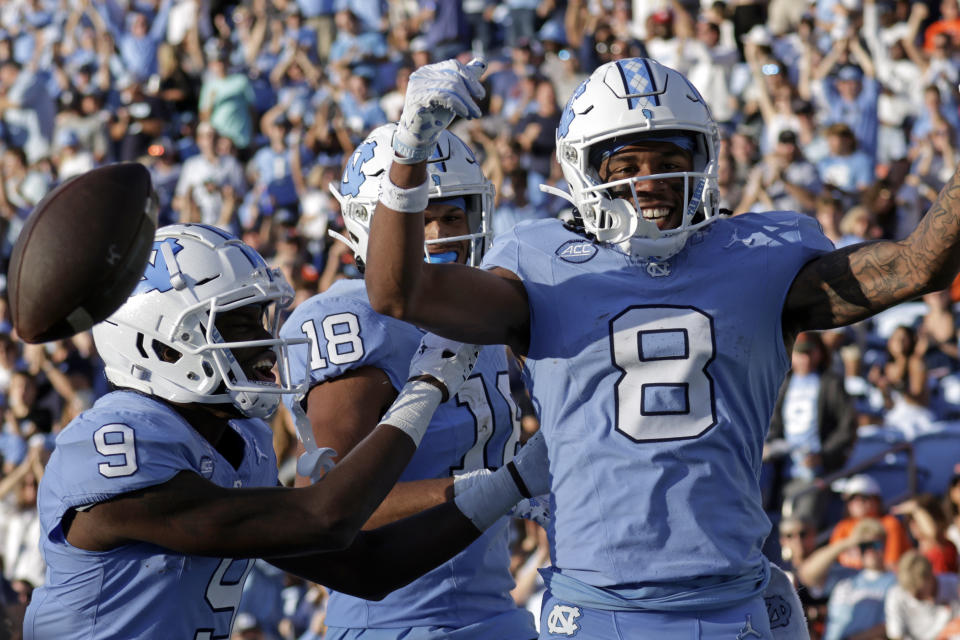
<point>856,282</point>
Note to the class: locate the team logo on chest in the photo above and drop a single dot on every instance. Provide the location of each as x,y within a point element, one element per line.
<point>577,251</point>
<point>658,269</point>
<point>561,620</point>
<point>206,467</point>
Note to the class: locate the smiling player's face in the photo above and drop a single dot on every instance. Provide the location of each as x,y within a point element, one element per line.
<point>660,201</point>
<point>446,221</point>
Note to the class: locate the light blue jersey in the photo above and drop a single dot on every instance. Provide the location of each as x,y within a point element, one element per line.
<point>477,428</point>
<point>655,383</point>
<point>127,442</point>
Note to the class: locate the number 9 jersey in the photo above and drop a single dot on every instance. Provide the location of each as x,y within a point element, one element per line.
<point>654,382</point>
<point>126,442</point>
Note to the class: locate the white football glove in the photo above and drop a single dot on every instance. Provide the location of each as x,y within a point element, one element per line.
<point>435,94</point>
<point>488,496</point>
<point>532,467</point>
<point>447,361</point>
<point>536,508</point>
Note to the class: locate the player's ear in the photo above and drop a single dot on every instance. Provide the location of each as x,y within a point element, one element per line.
<point>165,352</point>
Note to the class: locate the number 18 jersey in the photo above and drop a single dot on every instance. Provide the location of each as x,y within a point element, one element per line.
<point>476,428</point>
<point>654,383</point>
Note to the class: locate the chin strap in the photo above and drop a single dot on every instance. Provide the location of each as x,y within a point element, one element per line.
<point>315,462</point>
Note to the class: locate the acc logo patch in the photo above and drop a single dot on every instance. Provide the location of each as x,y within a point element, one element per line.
<point>577,251</point>
<point>561,620</point>
<point>206,467</point>
<point>778,611</point>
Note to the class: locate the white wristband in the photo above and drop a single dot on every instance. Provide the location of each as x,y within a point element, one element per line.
<point>490,499</point>
<point>404,200</point>
<point>463,482</point>
<point>412,410</point>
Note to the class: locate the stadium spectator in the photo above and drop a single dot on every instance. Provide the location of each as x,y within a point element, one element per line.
<point>798,541</point>
<point>845,168</point>
<point>864,500</point>
<point>19,521</point>
<point>927,524</point>
<point>783,180</point>
<point>948,24</point>
<point>28,110</point>
<point>226,101</point>
<point>813,427</point>
<point>536,130</point>
<point>920,605</point>
<point>856,604</point>
<point>902,379</point>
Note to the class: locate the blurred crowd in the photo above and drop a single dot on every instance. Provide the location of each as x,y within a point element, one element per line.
<point>244,113</point>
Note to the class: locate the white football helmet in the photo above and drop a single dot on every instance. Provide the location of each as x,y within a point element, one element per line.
<point>196,272</point>
<point>624,100</point>
<point>453,171</point>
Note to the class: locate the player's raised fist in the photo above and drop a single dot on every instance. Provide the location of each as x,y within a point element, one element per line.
<point>446,361</point>
<point>435,94</point>
<point>81,252</point>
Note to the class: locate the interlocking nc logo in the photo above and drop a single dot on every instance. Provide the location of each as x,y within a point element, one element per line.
<point>778,610</point>
<point>658,269</point>
<point>561,620</point>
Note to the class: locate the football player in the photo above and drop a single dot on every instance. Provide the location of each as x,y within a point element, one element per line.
<point>656,333</point>
<point>357,363</point>
<point>156,501</point>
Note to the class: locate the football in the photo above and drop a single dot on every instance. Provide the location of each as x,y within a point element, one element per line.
<point>81,252</point>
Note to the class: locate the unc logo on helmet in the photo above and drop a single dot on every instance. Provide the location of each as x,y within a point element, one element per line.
<point>353,175</point>
<point>156,277</point>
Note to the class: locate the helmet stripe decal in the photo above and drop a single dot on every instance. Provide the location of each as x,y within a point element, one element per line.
<point>637,79</point>
<point>220,232</point>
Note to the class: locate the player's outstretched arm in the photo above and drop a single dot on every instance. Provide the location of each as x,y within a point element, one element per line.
<point>856,282</point>
<point>345,410</point>
<point>481,307</point>
<point>192,515</point>
<point>390,557</point>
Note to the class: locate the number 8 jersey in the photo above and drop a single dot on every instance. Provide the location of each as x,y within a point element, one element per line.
<point>654,383</point>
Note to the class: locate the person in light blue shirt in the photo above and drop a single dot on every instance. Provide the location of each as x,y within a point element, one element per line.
<point>845,168</point>
<point>851,97</point>
<point>354,48</point>
<point>656,333</point>
<point>139,40</point>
